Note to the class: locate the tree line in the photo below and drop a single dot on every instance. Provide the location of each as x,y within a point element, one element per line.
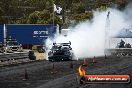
<point>41,11</point>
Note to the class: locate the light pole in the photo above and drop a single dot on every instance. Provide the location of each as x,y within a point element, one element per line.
<point>107,29</point>
<point>53,12</point>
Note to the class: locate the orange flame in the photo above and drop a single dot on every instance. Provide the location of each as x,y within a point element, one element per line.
<point>81,71</point>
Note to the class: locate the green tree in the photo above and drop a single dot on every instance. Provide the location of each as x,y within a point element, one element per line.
<point>121,4</point>
<point>43,17</point>
<point>82,16</point>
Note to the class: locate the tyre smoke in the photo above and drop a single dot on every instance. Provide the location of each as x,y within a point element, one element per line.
<point>88,37</point>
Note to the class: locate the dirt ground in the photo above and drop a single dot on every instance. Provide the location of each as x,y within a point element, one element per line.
<point>39,74</point>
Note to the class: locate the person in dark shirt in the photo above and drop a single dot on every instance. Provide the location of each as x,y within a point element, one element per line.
<point>127,45</point>
<point>122,44</point>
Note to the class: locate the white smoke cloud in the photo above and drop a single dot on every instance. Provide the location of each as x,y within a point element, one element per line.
<point>88,38</point>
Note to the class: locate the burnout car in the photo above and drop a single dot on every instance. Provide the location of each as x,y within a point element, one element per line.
<point>60,52</point>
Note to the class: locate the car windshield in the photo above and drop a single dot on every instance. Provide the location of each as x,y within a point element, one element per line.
<point>56,47</point>
<point>11,43</point>
<point>65,48</point>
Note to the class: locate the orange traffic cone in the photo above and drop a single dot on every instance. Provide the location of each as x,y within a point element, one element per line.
<point>26,75</point>
<point>94,61</point>
<point>53,69</point>
<point>84,62</point>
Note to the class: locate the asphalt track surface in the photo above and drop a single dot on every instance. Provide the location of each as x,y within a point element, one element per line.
<point>40,73</point>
